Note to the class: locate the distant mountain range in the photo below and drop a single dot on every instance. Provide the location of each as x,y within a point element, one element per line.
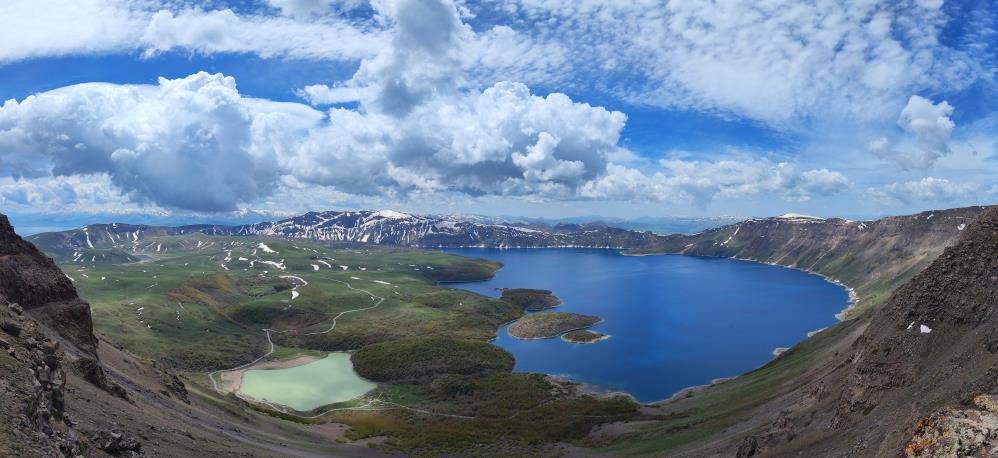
<point>113,241</point>
<point>658,224</point>
<point>30,224</point>
<point>873,257</point>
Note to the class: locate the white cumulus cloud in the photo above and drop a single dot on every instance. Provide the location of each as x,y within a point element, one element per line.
<point>191,143</point>
<point>928,128</point>
<point>700,182</point>
<point>928,189</point>
<point>33,29</point>
<point>423,124</point>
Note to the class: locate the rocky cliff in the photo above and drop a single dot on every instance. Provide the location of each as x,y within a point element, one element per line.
<point>932,345</point>
<point>39,309</point>
<point>31,279</point>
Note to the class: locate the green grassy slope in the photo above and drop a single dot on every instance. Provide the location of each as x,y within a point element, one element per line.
<point>184,308</point>
<point>200,303</point>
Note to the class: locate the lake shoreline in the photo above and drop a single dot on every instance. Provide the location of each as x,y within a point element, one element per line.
<point>850,291</point>
<point>852,299</point>
<point>233,380</point>
<point>331,378</point>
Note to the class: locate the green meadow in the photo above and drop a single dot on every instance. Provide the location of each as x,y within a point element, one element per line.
<point>200,304</point>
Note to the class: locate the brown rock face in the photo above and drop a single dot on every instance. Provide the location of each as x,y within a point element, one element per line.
<point>938,334</point>
<point>31,279</point>
<point>951,432</point>
<point>906,384</point>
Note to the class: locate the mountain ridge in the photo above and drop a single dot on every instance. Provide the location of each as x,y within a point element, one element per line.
<point>871,258</point>
<point>932,345</point>
<point>378,227</point>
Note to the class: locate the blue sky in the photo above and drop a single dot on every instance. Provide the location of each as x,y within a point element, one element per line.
<point>545,108</point>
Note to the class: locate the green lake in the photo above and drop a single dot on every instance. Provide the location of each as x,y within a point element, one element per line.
<point>326,381</point>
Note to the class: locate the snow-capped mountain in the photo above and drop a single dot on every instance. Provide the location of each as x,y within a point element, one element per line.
<point>388,227</point>
<point>385,227</point>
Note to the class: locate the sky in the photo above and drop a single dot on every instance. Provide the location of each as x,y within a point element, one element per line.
<point>215,110</point>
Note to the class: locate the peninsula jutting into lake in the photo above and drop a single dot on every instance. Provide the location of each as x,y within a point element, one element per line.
<point>549,324</point>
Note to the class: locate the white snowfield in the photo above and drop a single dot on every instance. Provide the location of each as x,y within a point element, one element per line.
<point>921,328</point>
<point>265,248</point>
<point>391,214</point>
<point>798,216</point>
<point>279,265</point>
<point>384,226</point>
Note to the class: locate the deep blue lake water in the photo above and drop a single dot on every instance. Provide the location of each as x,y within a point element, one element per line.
<point>675,321</point>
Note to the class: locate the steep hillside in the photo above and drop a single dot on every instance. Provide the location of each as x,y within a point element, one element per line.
<point>873,257</point>
<point>31,279</point>
<point>866,387</point>
<point>65,391</point>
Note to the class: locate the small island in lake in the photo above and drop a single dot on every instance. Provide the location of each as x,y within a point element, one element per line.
<point>532,300</point>
<point>584,336</point>
<point>551,324</point>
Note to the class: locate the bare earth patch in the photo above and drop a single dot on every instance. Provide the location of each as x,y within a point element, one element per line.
<point>232,380</point>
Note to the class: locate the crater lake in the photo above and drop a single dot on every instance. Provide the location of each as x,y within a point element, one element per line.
<point>674,321</point>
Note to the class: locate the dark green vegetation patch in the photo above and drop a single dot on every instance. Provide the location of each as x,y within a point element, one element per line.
<point>583,336</point>
<point>418,358</point>
<point>531,299</point>
<point>525,413</point>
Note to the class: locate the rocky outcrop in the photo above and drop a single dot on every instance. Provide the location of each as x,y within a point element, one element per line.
<point>39,404</point>
<point>958,432</point>
<point>175,387</point>
<point>40,310</point>
<point>116,443</point>
<point>30,278</point>
<point>90,369</point>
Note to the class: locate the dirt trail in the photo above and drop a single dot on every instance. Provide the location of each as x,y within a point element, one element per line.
<point>372,404</point>
<point>378,300</point>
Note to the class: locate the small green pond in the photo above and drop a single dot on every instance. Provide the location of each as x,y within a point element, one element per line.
<point>326,381</point>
